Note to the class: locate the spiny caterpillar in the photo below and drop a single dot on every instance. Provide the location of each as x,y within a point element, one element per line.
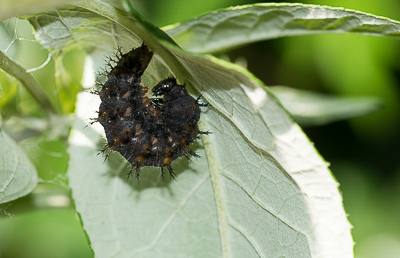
<point>146,131</point>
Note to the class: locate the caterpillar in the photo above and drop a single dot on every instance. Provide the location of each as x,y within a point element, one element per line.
<point>146,131</point>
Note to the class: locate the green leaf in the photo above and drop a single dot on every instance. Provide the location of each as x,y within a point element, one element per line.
<point>310,108</point>
<point>18,176</point>
<point>260,188</point>
<point>236,26</point>
<point>8,88</point>
<point>12,8</point>
<point>69,67</point>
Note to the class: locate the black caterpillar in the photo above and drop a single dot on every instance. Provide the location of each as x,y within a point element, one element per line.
<point>146,131</point>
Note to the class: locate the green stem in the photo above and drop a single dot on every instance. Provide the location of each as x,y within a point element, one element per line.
<point>28,82</point>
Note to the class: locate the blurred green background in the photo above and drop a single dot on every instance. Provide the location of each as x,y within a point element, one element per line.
<point>364,152</point>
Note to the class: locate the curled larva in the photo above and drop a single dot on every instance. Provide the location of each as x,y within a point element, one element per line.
<point>146,131</point>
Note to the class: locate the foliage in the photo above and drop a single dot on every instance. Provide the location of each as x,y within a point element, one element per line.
<point>260,188</point>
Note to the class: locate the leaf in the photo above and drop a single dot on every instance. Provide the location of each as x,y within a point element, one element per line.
<point>310,108</point>
<point>236,26</point>
<point>9,91</point>
<point>18,176</point>
<point>260,188</point>
<point>12,8</point>
<point>68,67</point>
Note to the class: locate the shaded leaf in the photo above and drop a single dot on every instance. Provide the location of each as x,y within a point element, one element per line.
<point>18,176</point>
<point>260,188</point>
<point>310,108</point>
<point>236,26</point>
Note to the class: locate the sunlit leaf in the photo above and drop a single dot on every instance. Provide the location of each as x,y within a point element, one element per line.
<point>18,176</point>
<point>8,88</point>
<point>260,188</point>
<point>69,68</point>
<point>236,26</point>
<point>310,108</point>
<point>12,8</point>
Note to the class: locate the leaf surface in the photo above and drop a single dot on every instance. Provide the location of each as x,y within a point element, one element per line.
<point>12,8</point>
<point>18,176</point>
<point>236,26</point>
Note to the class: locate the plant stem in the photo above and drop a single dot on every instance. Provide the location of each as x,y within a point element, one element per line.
<point>28,82</point>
